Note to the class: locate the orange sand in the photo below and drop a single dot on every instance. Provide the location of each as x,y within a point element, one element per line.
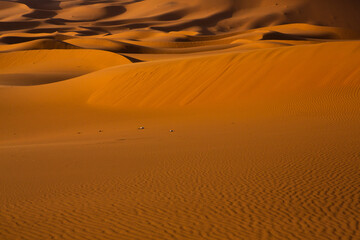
<point>262,97</point>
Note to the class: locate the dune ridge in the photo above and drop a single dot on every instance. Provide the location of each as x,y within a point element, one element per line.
<point>233,77</point>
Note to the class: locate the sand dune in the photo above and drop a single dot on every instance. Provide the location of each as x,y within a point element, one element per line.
<point>233,78</point>
<point>46,66</point>
<point>250,112</point>
<point>36,45</point>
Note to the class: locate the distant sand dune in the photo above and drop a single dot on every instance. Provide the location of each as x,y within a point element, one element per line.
<point>36,45</point>
<point>203,16</point>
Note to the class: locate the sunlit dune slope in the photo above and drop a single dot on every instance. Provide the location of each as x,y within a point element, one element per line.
<point>316,79</point>
<point>230,79</point>
<point>45,66</point>
<point>227,79</point>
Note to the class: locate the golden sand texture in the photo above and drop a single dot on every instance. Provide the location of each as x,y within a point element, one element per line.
<point>159,119</point>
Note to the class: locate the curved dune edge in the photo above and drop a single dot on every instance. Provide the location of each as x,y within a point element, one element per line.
<point>232,78</point>
<point>45,66</point>
<point>223,80</point>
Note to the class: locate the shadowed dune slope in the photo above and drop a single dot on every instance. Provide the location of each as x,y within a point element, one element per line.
<point>214,16</point>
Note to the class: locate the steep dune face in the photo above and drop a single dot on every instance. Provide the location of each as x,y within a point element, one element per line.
<point>178,119</point>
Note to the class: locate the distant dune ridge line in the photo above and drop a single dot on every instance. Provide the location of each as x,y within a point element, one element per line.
<point>179,119</point>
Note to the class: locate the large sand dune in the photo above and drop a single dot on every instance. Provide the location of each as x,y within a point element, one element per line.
<point>262,98</point>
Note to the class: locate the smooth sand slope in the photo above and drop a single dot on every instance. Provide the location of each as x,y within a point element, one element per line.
<point>250,109</point>
<point>46,66</point>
